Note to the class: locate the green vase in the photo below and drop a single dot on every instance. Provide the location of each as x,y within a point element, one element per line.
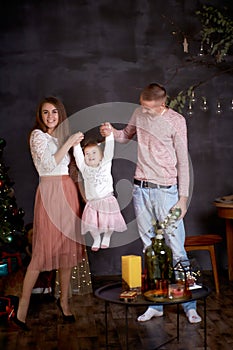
<point>159,266</point>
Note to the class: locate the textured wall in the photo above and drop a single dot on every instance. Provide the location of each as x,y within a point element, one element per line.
<point>93,52</point>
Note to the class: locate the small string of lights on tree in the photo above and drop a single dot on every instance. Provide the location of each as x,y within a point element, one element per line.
<point>11,217</point>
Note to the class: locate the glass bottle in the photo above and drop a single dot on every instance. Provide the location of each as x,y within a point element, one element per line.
<point>159,265</point>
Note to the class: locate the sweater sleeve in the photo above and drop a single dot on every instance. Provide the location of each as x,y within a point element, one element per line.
<point>181,147</point>
<point>79,157</point>
<point>40,151</point>
<point>126,134</point>
<point>109,148</point>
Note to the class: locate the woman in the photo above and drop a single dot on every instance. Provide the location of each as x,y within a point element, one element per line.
<point>57,243</point>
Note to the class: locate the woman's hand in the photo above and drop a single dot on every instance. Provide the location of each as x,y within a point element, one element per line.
<point>75,139</point>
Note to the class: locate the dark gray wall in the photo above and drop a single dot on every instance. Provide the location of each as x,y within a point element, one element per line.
<point>91,52</point>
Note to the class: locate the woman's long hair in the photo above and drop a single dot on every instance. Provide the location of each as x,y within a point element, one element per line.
<point>61,131</point>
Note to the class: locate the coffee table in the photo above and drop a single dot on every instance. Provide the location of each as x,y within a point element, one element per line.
<point>111,294</point>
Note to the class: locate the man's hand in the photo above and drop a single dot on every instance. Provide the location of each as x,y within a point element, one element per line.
<point>182,204</point>
<point>105,129</point>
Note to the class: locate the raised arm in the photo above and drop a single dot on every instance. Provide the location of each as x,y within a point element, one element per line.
<point>123,135</point>
<point>79,157</point>
<point>72,141</point>
<point>109,147</point>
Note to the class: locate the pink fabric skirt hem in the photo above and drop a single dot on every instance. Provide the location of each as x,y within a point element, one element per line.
<point>102,215</point>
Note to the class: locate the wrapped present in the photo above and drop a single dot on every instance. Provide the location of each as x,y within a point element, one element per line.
<point>12,284</point>
<point>128,296</point>
<point>3,269</point>
<point>13,260</point>
<point>8,305</point>
<point>45,283</point>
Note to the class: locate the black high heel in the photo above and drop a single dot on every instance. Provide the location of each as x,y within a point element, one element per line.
<point>20,324</point>
<point>66,318</point>
<point>13,316</point>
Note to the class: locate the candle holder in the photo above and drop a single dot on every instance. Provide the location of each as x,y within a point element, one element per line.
<point>190,109</point>
<point>193,98</point>
<point>188,273</point>
<point>231,105</point>
<point>204,107</point>
<point>201,52</point>
<point>219,108</point>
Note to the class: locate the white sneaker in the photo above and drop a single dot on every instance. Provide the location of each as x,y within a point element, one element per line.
<point>149,314</point>
<point>193,316</point>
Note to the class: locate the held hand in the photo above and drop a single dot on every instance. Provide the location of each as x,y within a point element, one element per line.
<point>105,129</point>
<point>76,138</point>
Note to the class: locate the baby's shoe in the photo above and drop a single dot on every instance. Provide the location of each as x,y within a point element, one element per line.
<point>106,240</point>
<point>96,244</point>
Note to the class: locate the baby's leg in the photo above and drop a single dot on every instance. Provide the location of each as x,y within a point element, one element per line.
<point>106,240</point>
<point>96,244</point>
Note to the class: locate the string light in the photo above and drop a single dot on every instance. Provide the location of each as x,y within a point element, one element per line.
<point>80,282</point>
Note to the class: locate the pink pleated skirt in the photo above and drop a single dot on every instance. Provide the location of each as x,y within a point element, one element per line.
<point>57,240</point>
<point>102,215</point>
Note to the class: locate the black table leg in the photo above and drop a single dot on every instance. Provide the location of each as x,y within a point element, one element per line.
<point>126,327</point>
<point>177,330</point>
<point>106,324</point>
<point>178,323</point>
<point>205,338</point>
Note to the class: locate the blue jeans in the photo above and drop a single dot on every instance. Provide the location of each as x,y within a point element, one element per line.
<point>155,203</point>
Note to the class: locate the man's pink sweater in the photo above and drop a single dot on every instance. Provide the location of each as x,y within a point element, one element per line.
<point>162,148</point>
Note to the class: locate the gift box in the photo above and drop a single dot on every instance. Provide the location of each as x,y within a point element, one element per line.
<point>12,260</point>
<point>3,269</point>
<point>128,296</point>
<point>8,305</point>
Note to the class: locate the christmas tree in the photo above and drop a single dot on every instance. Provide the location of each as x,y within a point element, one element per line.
<point>11,217</point>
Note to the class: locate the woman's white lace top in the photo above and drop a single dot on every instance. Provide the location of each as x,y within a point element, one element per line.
<point>43,147</point>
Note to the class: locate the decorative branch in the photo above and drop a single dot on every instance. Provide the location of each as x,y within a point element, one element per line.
<point>180,100</point>
<point>217,40</point>
<point>217,31</point>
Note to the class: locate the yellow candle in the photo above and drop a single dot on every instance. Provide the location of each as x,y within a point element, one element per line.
<point>132,270</point>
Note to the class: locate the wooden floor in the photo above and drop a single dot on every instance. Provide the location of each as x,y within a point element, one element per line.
<point>88,333</point>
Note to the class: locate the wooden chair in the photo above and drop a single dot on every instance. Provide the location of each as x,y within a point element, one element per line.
<point>205,242</point>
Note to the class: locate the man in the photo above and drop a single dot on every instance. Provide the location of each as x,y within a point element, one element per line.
<point>161,180</point>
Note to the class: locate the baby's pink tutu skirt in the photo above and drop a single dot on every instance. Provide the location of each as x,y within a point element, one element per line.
<point>102,215</point>
<point>57,241</point>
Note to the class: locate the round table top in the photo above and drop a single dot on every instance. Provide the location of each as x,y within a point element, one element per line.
<point>111,293</point>
<point>224,202</point>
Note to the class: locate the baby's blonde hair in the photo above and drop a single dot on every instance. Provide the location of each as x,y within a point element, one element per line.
<point>92,144</point>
